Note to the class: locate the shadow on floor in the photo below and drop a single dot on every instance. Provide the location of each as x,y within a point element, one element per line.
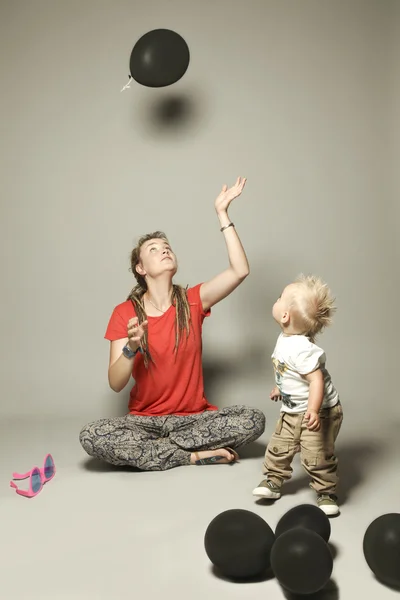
<point>96,465</point>
<point>266,576</point>
<point>253,450</point>
<point>329,592</point>
<point>357,461</point>
<point>334,550</point>
<point>394,588</point>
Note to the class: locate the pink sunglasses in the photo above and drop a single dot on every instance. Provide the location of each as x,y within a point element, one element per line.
<point>37,478</point>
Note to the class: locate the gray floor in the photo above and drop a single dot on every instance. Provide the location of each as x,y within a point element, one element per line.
<point>98,533</point>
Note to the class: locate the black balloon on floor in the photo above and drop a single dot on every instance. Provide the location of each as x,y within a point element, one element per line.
<point>159,58</point>
<point>381,547</point>
<point>307,516</point>
<point>238,542</point>
<point>301,561</point>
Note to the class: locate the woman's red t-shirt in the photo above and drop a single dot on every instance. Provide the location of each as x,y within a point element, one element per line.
<point>173,382</point>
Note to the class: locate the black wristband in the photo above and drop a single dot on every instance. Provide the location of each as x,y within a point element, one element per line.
<point>128,352</point>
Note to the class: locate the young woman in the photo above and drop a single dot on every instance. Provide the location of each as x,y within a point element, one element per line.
<point>155,337</point>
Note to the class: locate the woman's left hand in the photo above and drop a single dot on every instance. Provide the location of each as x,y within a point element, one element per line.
<point>227,195</point>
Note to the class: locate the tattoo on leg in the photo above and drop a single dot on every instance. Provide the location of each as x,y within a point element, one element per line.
<point>209,460</point>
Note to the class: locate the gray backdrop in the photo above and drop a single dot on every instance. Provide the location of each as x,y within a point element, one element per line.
<point>301,97</point>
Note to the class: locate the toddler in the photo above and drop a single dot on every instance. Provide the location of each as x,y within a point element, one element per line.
<point>311,413</point>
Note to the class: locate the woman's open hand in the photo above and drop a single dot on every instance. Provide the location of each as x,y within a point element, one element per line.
<point>226,195</point>
<point>135,332</point>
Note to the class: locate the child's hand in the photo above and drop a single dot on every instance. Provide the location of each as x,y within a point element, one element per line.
<point>275,394</point>
<point>312,420</point>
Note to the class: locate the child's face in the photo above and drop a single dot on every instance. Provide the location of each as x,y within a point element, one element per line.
<point>281,308</point>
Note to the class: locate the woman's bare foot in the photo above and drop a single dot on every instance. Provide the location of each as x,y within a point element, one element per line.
<point>208,457</point>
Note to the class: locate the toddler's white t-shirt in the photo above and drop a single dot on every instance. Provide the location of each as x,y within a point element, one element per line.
<point>294,356</point>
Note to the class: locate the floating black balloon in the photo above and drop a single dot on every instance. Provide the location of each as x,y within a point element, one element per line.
<point>307,516</point>
<point>159,58</point>
<point>238,542</point>
<point>381,547</point>
<point>301,561</point>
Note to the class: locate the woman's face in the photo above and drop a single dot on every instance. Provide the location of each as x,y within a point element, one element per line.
<point>156,258</point>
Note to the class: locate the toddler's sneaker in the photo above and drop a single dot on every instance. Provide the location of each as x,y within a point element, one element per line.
<point>328,504</point>
<point>267,489</point>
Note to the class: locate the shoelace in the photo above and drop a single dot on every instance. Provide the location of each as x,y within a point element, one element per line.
<point>327,497</point>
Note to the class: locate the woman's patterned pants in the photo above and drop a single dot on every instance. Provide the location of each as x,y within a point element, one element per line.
<point>163,442</point>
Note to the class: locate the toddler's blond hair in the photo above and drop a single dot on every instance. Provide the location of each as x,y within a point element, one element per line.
<point>313,305</point>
